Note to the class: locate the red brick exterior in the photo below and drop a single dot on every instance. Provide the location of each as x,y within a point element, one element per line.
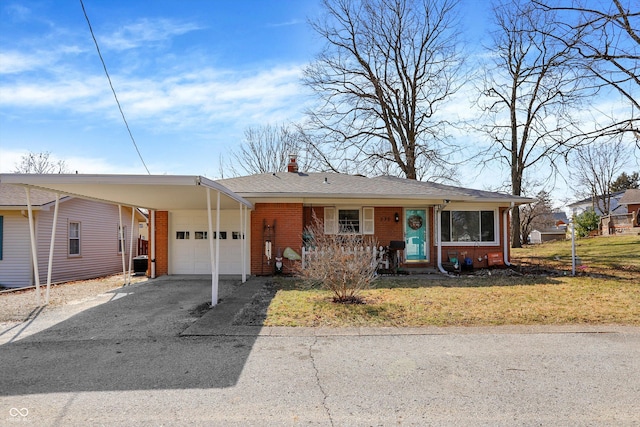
<point>162,243</point>
<point>286,218</point>
<point>289,220</point>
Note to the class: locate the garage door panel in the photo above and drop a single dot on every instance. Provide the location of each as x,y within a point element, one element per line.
<point>191,255</point>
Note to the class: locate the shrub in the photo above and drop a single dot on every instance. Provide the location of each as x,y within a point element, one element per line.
<point>586,222</point>
<point>339,263</point>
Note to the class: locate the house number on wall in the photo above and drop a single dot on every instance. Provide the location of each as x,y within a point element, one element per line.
<point>385,219</point>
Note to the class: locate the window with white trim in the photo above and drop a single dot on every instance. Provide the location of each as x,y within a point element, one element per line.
<point>122,235</point>
<point>74,238</point>
<point>348,220</point>
<point>468,226</point>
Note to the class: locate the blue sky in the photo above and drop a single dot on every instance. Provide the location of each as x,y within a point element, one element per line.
<point>191,76</point>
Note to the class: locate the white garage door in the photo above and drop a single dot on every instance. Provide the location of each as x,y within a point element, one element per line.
<point>189,243</point>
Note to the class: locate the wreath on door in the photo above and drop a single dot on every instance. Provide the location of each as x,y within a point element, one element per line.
<point>415,222</point>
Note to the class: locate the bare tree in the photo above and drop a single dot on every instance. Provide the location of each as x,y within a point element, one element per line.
<point>536,215</point>
<point>596,167</point>
<point>40,163</point>
<point>527,95</point>
<point>608,43</point>
<point>387,68</point>
<point>266,149</point>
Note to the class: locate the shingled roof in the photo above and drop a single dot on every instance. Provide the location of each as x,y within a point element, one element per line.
<point>13,196</point>
<point>630,197</point>
<point>343,186</point>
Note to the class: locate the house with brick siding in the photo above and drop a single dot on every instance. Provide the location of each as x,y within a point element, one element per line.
<point>238,226</point>
<point>434,221</point>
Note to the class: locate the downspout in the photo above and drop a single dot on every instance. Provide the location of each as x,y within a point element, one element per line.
<point>439,238</point>
<point>505,240</point>
<point>153,244</point>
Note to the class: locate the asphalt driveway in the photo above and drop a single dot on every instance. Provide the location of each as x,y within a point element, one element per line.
<point>146,355</point>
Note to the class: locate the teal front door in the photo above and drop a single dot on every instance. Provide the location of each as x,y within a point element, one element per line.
<point>415,232</point>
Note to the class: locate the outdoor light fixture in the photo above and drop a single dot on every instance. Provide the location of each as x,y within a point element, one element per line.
<point>397,217</point>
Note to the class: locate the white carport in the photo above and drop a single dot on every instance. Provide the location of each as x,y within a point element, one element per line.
<point>152,192</point>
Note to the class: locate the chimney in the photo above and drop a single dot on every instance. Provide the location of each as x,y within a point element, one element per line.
<point>292,166</point>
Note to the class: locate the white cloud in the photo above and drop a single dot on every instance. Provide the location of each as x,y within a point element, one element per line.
<point>143,32</point>
<point>16,62</point>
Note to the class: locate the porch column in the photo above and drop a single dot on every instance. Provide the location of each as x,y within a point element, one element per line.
<point>505,239</point>
<point>34,252</point>
<point>53,240</point>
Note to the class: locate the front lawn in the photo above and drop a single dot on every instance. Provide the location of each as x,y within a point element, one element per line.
<point>605,291</point>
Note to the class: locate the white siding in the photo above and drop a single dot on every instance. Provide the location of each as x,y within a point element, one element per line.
<point>15,266</point>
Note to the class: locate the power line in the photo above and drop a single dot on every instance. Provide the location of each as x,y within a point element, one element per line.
<point>112,89</point>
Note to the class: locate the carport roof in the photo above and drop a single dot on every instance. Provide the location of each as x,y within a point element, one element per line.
<point>154,192</point>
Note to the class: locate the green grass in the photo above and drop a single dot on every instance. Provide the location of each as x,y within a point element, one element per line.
<point>606,291</point>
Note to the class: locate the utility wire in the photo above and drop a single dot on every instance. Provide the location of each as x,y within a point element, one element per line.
<point>112,89</point>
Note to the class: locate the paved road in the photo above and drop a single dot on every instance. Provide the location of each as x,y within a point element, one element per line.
<point>140,359</point>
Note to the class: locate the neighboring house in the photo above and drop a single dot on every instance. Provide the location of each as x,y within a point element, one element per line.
<point>262,215</point>
<point>631,199</point>
<point>87,243</point>
<point>595,205</point>
<point>557,232</point>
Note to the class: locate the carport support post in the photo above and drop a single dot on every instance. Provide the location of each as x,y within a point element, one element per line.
<point>121,244</point>
<point>217,245</point>
<point>34,252</point>
<point>214,287</point>
<point>242,247</point>
<point>133,216</point>
<point>53,240</point>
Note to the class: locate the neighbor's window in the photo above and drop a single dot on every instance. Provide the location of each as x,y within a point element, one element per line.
<point>468,226</point>
<point>121,240</point>
<point>1,232</point>
<point>74,238</point>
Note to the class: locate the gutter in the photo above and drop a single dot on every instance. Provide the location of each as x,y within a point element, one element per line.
<point>438,209</point>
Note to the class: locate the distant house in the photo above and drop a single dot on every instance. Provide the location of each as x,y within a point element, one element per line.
<point>631,200</point>
<point>87,242</point>
<point>595,204</point>
<point>557,232</point>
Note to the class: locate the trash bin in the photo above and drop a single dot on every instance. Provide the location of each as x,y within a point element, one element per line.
<point>140,264</point>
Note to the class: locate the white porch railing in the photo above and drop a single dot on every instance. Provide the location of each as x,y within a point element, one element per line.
<point>377,255</point>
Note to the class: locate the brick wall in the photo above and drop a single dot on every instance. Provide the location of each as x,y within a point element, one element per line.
<point>288,219</point>
<point>385,226</point>
<point>162,243</point>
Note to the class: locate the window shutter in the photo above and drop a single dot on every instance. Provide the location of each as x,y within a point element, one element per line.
<point>330,220</point>
<point>367,220</point>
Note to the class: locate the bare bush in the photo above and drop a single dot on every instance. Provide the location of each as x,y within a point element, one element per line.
<point>341,263</point>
